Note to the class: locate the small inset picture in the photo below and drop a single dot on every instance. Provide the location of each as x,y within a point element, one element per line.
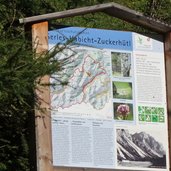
<point>141,148</point>
<point>151,114</point>
<point>122,90</point>
<point>123,111</point>
<point>121,64</point>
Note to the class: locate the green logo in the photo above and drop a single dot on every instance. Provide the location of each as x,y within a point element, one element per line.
<point>140,40</point>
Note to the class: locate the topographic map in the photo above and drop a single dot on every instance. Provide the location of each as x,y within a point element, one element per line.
<point>89,85</point>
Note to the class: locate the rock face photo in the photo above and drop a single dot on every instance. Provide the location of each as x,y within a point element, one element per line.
<point>139,150</point>
<point>121,64</point>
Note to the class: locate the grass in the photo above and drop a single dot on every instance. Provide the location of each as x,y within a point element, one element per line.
<point>124,90</point>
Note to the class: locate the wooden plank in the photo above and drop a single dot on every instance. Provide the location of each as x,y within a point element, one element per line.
<point>42,118</point>
<point>137,18</point>
<point>40,37</point>
<point>66,13</point>
<point>67,169</point>
<point>112,9</point>
<point>168,84</point>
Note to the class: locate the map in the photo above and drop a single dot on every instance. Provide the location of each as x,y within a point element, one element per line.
<point>89,85</point>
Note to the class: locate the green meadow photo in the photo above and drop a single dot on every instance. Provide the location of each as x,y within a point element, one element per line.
<point>122,90</point>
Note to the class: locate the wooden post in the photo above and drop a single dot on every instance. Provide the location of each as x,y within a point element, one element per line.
<point>168,83</point>
<point>42,117</point>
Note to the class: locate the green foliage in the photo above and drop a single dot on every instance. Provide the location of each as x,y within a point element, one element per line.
<point>162,11</point>
<point>19,70</point>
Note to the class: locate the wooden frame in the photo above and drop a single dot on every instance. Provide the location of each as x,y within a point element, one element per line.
<point>40,41</point>
<point>113,9</point>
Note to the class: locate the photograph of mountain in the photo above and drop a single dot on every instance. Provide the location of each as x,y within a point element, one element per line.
<point>139,149</point>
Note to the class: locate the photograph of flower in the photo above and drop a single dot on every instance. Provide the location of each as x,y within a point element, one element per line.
<point>123,111</point>
<point>122,90</point>
<point>121,64</point>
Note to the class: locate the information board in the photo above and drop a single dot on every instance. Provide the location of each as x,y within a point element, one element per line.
<point>112,113</point>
